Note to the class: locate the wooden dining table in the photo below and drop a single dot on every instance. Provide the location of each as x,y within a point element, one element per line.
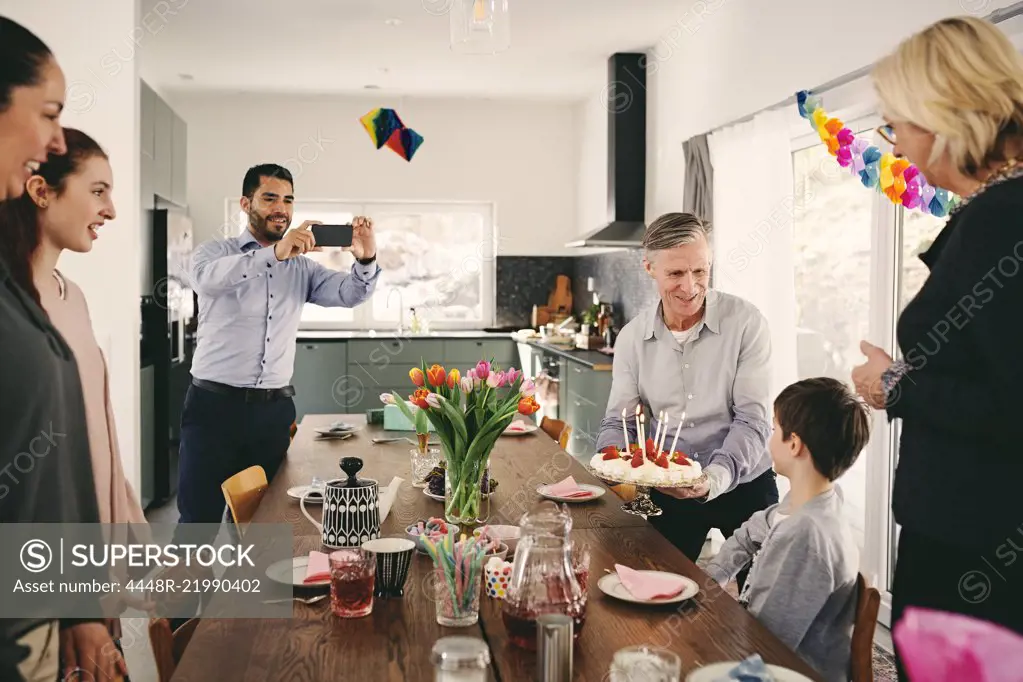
<point>395,641</point>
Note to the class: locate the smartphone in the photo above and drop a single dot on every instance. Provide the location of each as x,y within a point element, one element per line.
<point>332,235</point>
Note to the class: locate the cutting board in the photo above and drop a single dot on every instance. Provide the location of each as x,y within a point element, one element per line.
<point>560,300</point>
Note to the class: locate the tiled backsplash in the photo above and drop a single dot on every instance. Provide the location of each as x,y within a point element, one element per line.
<point>525,281</point>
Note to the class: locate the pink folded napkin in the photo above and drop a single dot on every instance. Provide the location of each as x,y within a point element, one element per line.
<point>945,647</point>
<point>516,426</point>
<point>567,488</point>
<point>318,568</point>
<point>649,586</point>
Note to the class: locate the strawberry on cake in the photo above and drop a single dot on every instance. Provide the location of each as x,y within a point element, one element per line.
<point>652,467</point>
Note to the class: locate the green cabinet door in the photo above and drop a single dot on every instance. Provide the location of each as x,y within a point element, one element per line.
<point>321,380</point>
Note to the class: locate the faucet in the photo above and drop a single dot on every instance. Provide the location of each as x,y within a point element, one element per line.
<point>401,308</point>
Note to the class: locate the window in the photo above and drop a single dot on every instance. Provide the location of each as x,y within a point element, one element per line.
<point>832,221</point>
<point>438,258</point>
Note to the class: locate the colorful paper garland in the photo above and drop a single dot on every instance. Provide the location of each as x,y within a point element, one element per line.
<point>898,179</point>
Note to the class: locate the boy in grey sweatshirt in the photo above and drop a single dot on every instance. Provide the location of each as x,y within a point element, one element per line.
<point>802,581</point>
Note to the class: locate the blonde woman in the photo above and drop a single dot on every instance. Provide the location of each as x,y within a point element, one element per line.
<point>952,96</point>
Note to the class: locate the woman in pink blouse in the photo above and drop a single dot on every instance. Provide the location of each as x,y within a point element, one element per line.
<point>66,202</point>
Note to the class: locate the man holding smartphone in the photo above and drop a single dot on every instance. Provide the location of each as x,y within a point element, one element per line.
<point>238,411</point>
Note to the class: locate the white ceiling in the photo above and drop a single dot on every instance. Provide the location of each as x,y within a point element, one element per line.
<point>559,48</point>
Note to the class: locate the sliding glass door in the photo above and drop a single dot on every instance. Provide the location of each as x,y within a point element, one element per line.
<point>856,269</point>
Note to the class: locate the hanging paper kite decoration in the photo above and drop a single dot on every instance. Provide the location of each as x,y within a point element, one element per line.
<point>385,128</point>
<point>898,179</point>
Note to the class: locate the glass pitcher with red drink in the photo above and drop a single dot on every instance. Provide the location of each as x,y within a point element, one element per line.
<point>545,576</point>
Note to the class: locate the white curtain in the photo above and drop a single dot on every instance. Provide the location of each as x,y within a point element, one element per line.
<point>753,212</point>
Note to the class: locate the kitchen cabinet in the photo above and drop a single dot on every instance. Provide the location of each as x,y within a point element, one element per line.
<point>582,400</point>
<point>321,380</point>
<point>163,151</point>
<point>179,160</point>
<point>465,353</point>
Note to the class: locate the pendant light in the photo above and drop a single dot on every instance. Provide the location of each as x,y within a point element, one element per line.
<point>480,26</point>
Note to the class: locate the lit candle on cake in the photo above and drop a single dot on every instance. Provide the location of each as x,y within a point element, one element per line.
<point>657,431</point>
<point>664,433</point>
<point>642,432</point>
<point>674,441</point>
<point>639,430</point>
<point>625,429</point>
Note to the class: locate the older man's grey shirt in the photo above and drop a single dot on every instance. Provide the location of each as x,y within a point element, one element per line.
<point>720,379</point>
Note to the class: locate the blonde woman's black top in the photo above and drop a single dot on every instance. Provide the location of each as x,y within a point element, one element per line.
<point>960,460</point>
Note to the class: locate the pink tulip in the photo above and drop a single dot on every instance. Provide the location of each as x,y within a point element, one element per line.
<point>483,369</point>
<point>387,398</point>
<point>433,400</point>
<point>528,388</point>
<point>495,380</point>
<point>466,384</point>
<point>512,375</point>
<point>471,373</point>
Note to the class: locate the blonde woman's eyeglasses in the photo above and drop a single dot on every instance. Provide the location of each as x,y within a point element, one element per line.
<point>887,133</point>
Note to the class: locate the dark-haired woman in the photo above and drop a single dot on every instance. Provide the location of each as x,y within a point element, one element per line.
<point>66,202</point>
<point>45,467</point>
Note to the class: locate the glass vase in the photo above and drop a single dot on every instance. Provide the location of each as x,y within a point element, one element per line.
<point>466,496</point>
<point>423,462</point>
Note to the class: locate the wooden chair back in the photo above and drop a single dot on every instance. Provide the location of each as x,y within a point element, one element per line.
<point>168,647</point>
<point>243,493</point>
<point>868,601</point>
<point>552,427</point>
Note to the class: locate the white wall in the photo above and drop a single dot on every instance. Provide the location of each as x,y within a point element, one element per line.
<point>102,100</point>
<point>724,59</point>
<point>520,155</point>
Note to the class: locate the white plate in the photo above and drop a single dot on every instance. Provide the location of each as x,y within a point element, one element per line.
<point>298,491</point>
<point>292,572</point>
<point>530,428</point>
<point>610,585</point>
<point>595,489</point>
<point>718,671</point>
<point>440,498</point>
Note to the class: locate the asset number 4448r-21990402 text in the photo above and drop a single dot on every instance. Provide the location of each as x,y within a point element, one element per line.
<point>195,585</point>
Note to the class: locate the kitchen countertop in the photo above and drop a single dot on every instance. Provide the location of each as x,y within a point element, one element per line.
<point>327,335</point>
<point>595,360</point>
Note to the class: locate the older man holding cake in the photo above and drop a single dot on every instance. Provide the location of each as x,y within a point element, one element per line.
<point>692,375</point>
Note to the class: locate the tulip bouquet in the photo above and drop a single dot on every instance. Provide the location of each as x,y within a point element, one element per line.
<point>468,414</point>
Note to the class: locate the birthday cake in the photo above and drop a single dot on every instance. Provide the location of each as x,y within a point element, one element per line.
<point>651,466</point>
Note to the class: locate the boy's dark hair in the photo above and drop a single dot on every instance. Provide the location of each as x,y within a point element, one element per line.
<point>832,422</point>
<point>254,176</point>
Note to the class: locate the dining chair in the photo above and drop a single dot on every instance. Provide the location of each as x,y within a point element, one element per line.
<point>294,429</point>
<point>868,601</point>
<point>168,647</point>
<point>552,427</point>
<point>243,492</point>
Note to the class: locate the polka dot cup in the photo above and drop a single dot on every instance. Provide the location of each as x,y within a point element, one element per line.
<point>498,573</point>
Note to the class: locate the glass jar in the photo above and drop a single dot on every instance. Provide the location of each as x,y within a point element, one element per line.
<point>460,659</point>
<point>423,462</point>
<point>544,575</point>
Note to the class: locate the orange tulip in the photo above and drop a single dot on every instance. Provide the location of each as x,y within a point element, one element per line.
<point>416,375</point>
<point>528,405</point>
<point>419,398</point>
<point>454,376</point>
<point>436,375</point>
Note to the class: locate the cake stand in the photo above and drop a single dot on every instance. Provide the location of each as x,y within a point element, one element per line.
<point>642,505</point>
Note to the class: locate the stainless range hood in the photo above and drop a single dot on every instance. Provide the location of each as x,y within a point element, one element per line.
<point>626,156</point>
